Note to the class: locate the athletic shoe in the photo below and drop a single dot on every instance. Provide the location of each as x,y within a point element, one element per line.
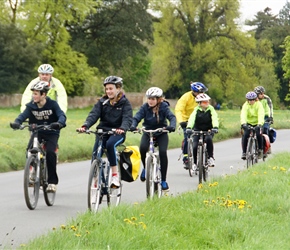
<point>185,162</point>
<point>143,175</point>
<point>51,188</point>
<point>243,156</point>
<point>115,182</point>
<point>164,186</point>
<point>210,162</point>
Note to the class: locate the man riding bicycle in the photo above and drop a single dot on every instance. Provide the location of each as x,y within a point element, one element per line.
<point>183,109</point>
<point>252,114</point>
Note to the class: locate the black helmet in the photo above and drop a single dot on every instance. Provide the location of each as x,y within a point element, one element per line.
<point>113,80</point>
<point>259,90</point>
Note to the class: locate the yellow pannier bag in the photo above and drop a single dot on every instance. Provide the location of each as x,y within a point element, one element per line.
<point>130,160</point>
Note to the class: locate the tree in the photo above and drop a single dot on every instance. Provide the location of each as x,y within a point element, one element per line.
<point>17,60</point>
<point>115,39</point>
<point>200,41</point>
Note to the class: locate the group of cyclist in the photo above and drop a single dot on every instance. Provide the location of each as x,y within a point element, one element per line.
<point>48,105</point>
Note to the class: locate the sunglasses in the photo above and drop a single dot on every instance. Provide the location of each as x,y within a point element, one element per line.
<point>250,100</point>
<point>204,102</point>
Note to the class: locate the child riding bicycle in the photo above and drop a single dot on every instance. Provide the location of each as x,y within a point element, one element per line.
<point>252,114</point>
<point>183,109</point>
<point>114,111</point>
<point>155,113</point>
<point>39,111</point>
<point>204,118</point>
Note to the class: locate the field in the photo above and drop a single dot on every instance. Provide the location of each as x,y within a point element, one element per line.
<point>74,146</point>
<point>244,211</point>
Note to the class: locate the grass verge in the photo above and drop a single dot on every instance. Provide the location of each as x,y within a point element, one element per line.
<point>249,210</point>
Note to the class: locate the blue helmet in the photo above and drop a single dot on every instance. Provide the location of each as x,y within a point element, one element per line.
<point>251,95</point>
<point>198,87</point>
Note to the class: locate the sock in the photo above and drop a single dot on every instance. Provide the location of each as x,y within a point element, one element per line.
<point>114,174</point>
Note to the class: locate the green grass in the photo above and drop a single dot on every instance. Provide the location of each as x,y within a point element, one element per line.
<point>75,146</point>
<point>249,210</point>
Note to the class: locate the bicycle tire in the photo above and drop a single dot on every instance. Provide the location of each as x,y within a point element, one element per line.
<point>190,157</point>
<point>114,194</point>
<point>200,163</point>
<point>94,187</point>
<point>249,153</point>
<point>157,184</point>
<point>31,188</point>
<point>256,151</point>
<point>49,197</point>
<point>149,178</point>
<point>205,165</point>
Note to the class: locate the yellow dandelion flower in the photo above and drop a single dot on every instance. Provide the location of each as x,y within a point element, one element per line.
<point>87,232</point>
<point>218,198</point>
<point>63,226</point>
<point>199,186</point>
<point>265,172</point>
<point>241,206</point>
<point>126,220</point>
<point>249,206</point>
<point>78,235</point>
<point>213,201</point>
<point>242,202</point>
<point>274,168</point>
<point>206,191</point>
<point>53,228</point>
<point>228,196</point>
<point>282,169</point>
<point>210,185</point>
<point>133,218</point>
<point>142,215</point>
<point>205,202</point>
<point>144,226</point>
<point>22,245</point>
<point>215,183</point>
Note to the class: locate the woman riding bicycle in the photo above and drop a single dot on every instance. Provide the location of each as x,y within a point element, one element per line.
<point>114,111</point>
<point>155,113</point>
<point>203,118</point>
<point>39,111</point>
<point>252,114</point>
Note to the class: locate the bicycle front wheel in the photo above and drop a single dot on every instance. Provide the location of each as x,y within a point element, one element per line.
<point>157,181</point>
<point>31,183</point>
<point>150,177</point>
<point>200,163</point>
<point>49,197</point>
<point>94,187</point>
<point>205,165</point>
<point>190,157</point>
<point>114,194</point>
<point>250,152</point>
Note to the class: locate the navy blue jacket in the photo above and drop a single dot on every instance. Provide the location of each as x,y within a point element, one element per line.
<point>118,116</point>
<point>48,114</point>
<point>150,119</point>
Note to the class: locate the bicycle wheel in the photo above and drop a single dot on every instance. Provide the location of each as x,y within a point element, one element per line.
<point>190,157</point>
<point>157,181</point>
<point>49,197</point>
<point>249,153</point>
<point>149,177</point>
<point>255,151</point>
<point>114,194</point>
<point>200,162</point>
<point>31,183</point>
<point>205,165</point>
<point>94,187</point>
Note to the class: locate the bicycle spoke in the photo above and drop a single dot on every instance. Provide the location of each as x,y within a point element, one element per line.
<point>149,177</point>
<point>94,187</point>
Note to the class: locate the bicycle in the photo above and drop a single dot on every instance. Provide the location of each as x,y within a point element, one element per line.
<point>152,165</point>
<point>100,176</point>
<point>202,156</point>
<point>252,148</point>
<point>35,170</point>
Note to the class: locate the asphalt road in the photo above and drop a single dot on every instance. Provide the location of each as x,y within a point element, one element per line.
<point>19,224</point>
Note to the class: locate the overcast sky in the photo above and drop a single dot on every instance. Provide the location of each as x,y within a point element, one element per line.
<point>250,7</point>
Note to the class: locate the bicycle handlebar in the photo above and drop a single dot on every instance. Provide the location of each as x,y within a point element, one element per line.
<point>195,132</point>
<point>154,130</point>
<point>35,127</point>
<point>97,132</point>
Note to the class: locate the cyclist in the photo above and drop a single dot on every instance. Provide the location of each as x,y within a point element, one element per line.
<point>252,113</point>
<point>183,109</point>
<point>57,91</point>
<point>203,118</point>
<point>268,107</point>
<point>114,111</point>
<point>43,110</point>
<point>154,114</point>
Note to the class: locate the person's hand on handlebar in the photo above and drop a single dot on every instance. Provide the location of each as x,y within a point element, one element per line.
<point>170,129</point>
<point>82,129</point>
<point>119,131</point>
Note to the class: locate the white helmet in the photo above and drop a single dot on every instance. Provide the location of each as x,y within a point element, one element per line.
<point>45,69</point>
<point>202,97</point>
<point>41,86</point>
<point>154,92</point>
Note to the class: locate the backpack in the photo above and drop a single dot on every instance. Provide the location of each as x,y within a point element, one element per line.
<point>272,135</point>
<point>130,160</point>
<point>267,144</point>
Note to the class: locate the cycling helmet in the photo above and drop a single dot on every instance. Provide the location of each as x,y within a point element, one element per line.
<point>113,80</point>
<point>198,87</point>
<point>259,90</point>
<point>154,92</point>
<point>251,95</point>
<point>202,97</point>
<point>45,69</point>
<point>41,86</point>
